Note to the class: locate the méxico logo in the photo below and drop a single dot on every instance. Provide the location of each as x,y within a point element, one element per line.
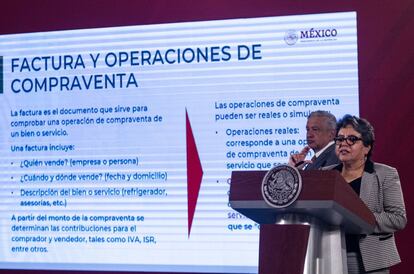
<point>281,186</point>
<point>291,37</point>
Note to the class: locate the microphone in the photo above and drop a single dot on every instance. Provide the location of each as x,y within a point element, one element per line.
<point>299,163</point>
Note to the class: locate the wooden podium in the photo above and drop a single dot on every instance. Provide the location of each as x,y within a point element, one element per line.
<point>308,236</point>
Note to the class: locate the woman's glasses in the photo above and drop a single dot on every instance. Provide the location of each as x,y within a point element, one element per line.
<point>350,140</point>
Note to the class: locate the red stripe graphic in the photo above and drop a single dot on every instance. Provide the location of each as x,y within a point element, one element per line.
<point>194,173</point>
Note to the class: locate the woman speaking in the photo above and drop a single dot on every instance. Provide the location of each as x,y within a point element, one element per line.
<point>379,187</point>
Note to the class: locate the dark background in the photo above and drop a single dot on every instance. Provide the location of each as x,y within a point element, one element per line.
<point>385,56</point>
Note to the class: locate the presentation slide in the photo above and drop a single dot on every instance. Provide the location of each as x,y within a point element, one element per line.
<point>117,144</point>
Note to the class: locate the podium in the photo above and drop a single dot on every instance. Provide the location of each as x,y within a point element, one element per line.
<point>308,236</point>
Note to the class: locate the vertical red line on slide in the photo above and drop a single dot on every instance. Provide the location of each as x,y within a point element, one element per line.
<point>194,173</point>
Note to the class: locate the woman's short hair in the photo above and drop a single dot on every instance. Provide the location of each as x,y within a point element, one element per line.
<point>362,126</point>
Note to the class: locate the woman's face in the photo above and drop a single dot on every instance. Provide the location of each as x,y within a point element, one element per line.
<point>348,152</point>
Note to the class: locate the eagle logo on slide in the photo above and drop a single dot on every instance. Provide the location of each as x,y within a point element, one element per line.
<point>281,186</point>
<point>291,37</point>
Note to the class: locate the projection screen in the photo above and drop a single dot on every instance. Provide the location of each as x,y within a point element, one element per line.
<point>117,144</point>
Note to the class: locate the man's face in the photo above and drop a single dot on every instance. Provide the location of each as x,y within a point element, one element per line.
<point>317,133</point>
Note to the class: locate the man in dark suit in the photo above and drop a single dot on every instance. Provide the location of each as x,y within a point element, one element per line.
<point>320,132</point>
